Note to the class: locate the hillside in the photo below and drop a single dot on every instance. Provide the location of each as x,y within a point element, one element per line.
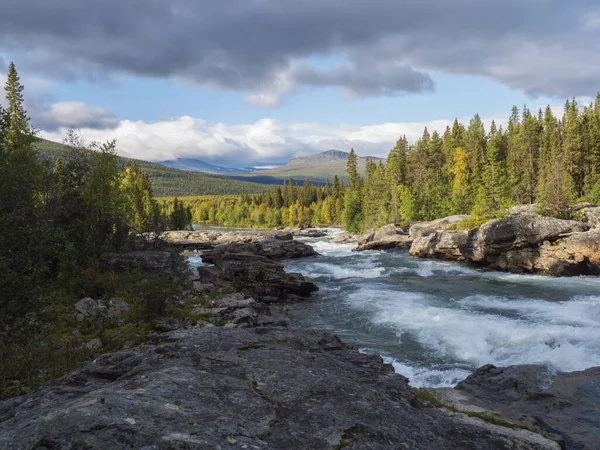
<point>317,168</point>
<point>196,165</point>
<point>170,182</point>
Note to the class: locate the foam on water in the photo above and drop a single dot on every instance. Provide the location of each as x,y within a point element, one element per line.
<point>477,338</point>
<point>437,321</point>
<point>332,271</point>
<point>420,376</point>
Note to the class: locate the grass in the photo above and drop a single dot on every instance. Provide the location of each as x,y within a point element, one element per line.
<point>472,222</point>
<point>49,347</point>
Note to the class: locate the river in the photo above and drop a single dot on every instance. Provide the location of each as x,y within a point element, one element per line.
<point>437,321</point>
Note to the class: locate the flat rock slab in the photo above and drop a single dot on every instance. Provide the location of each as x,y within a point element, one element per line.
<point>569,407</point>
<point>261,388</point>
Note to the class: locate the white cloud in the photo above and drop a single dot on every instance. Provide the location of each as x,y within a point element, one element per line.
<point>265,142</point>
<point>73,114</point>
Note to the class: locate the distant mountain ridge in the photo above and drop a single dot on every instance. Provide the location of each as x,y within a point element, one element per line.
<point>329,155</point>
<point>196,165</point>
<point>168,181</point>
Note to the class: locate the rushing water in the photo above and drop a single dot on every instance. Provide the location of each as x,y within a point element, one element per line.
<point>437,321</point>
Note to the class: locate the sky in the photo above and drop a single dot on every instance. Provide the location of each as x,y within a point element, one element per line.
<point>257,82</point>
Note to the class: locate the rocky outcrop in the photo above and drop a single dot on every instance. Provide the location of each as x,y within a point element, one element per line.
<point>591,216</point>
<point>387,237</point>
<point>271,248</point>
<point>426,228</point>
<point>300,231</point>
<point>517,243</point>
<point>442,244</point>
<point>578,254</point>
<point>567,410</point>
<point>206,239</point>
<point>261,277</point>
<point>260,388</point>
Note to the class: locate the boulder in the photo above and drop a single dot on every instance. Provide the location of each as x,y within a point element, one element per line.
<point>518,243</point>
<point>387,242</point>
<point>442,244</point>
<point>578,254</point>
<point>387,237</point>
<point>346,238</point>
<point>425,228</point>
<point>88,307</point>
<point>299,230</point>
<point>519,231</point>
<point>206,239</point>
<point>117,307</point>
<point>270,248</point>
<point>591,216</point>
<point>565,408</point>
<point>259,388</point>
<point>261,277</point>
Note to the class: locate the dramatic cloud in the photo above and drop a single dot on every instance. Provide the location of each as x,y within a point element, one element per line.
<point>270,48</point>
<point>264,142</point>
<point>71,115</point>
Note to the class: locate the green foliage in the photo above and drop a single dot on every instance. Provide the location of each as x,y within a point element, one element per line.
<point>166,181</point>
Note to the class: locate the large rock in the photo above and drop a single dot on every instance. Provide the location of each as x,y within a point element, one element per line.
<point>425,228</point>
<point>442,244</point>
<point>387,237</point>
<point>519,231</point>
<point>569,408</point>
<point>206,239</point>
<point>592,216</point>
<point>261,388</point>
<point>578,254</point>
<point>517,243</point>
<point>261,277</point>
<point>271,248</point>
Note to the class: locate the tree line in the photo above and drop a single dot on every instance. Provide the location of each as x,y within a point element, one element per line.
<point>538,158</point>
<point>56,220</point>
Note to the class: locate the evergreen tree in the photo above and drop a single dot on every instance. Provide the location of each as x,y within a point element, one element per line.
<point>493,193</point>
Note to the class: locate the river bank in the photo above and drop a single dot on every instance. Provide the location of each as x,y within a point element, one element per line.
<point>259,380</point>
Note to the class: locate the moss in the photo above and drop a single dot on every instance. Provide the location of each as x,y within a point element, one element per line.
<point>469,223</point>
<point>278,342</point>
<point>424,395</point>
<point>248,346</point>
<point>347,438</point>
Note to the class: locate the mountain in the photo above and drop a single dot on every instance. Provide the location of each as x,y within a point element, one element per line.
<point>317,168</point>
<point>195,165</point>
<point>167,181</point>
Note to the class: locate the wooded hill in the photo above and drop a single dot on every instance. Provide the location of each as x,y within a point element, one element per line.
<point>316,168</point>
<point>167,181</point>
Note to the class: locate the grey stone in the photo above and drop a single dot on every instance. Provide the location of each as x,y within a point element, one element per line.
<point>518,243</point>
<point>87,306</point>
<point>94,344</point>
<point>565,407</point>
<point>260,388</point>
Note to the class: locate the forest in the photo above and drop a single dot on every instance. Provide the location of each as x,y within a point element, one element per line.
<point>166,181</point>
<point>56,223</point>
<point>538,158</point>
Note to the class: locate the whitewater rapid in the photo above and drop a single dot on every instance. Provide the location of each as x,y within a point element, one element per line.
<point>437,321</point>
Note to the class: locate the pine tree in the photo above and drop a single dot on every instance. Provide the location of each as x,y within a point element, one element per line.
<point>352,216</point>
<point>460,185</point>
<point>395,175</point>
<point>19,133</point>
<point>492,195</point>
